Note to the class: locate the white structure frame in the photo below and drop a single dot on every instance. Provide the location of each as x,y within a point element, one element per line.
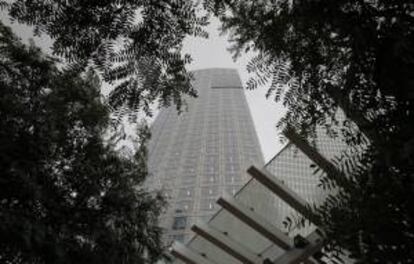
<point>292,254</point>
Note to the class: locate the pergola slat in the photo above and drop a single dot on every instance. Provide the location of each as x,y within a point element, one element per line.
<point>255,221</point>
<point>281,190</point>
<point>187,255</point>
<point>227,244</point>
<point>298,255</point>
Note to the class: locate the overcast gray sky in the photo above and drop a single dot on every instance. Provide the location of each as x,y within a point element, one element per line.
<point>211,53</point>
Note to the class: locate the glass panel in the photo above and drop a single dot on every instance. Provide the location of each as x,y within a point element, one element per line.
<point>179,223</point>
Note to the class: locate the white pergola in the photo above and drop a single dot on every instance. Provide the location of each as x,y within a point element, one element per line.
<point>258,223</point>
<point>243,231</point>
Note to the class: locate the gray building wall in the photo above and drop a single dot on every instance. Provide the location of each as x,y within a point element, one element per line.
<point>297,171</point>
<point>197,156</point>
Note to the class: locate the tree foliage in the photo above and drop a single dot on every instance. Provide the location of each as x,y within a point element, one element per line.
<point>65,196</point>
<point>135,45</point>
<point>318,56</point>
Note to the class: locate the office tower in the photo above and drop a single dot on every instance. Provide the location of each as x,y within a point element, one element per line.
<point>197,156</point>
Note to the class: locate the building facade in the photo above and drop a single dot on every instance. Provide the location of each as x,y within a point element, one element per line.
<point>299,172</point>
<point>202,153</point>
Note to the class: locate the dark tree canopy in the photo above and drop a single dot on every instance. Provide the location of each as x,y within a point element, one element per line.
<point>319,56</point>
<point>135,45</point>
<point>65,195</point>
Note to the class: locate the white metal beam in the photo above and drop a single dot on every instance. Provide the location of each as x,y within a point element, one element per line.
<point>281,190</point>
<point>299,255</point>
<point>227,244</point>
<point>187,255</point>
<point>255,221</point>
<point>317,158</point>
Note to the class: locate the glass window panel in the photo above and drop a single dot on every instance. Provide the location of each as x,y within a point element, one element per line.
<point>180,223</point>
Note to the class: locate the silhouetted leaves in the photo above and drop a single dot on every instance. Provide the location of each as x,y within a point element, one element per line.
<point>65,195</point>
<point>134,45</point>
<point>319,56</point>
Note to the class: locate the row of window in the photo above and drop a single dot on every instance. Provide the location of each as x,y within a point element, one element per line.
<point>188,205</point>
<point>206,192</point>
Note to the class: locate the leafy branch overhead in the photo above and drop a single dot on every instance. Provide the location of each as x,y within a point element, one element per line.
<point>356,56</point>
<point>66,196</point>
<point>135,45</point>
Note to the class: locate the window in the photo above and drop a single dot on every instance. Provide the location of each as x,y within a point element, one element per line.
<point>179,222</point>
<point>207,204</point>
<point>209,191</point>
<point>232,177</point>
<point>188,179</point>
<point>168,194</point>
<point>179,238</point>
<point>232,168</point>
<point>232,189</point>
<point>211,167</point>
<point>185,193</point>
<point>185,205</point>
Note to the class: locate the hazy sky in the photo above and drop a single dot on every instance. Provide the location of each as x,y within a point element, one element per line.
<point>212,53</point>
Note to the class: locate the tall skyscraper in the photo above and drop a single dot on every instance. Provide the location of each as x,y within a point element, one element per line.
<point>197,156</point>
